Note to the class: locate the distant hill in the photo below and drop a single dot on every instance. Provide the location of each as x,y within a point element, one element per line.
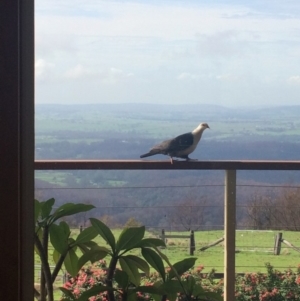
<point>124,131</point>
<point>178,112</point>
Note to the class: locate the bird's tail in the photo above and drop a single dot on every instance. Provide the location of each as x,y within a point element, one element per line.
<point>151,153</point>
<point>146,155</point>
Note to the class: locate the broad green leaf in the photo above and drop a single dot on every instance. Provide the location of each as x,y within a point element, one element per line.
<point>71,241</point>
<point>95,290</point>
<point>92,255</point>
<point>172,297</point>
<point>46,208</point>
<point>104,232</point>
<point>155,261</point>
<point>166,259</point>
<point>150,289</point>
<point>122,279</point>
<point>58,238</point>
<point>70,209</point>
<point>66,227</point>
<point>158,297</point>
<point>190,284</point>
<point>182,266</point>
<point>86,235</point>
<point>55,256</point>
<point>39,233</point>
<point>71,263</point>
<point>130,237</point>
<point>67,292</point>
<point>150,242</point>
<point>85,247</point>
<point>171,287</point>
<point>131,296</point>
<point>139,262</point>
<point>37,210</point>
<point>131,270</point>
<point>198,290</point>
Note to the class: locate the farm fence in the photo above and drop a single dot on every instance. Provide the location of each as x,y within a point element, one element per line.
<point>230,168</point>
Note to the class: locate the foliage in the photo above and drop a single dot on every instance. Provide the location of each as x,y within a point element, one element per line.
<point>122,279</point>
<point>47,229</point>
<point>274,212</point>
<point>188,214</point>
<point>271,286</point>
<point>132,222</point>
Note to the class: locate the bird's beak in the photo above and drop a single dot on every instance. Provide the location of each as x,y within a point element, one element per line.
<point>208,127</point>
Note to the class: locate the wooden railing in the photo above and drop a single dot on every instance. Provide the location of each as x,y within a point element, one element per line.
<point>230,168</point>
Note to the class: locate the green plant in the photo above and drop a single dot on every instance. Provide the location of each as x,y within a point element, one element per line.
<point>126,283</point>
<point>48,230</point>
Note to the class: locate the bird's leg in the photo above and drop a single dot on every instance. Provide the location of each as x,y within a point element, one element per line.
<point>171,160</point>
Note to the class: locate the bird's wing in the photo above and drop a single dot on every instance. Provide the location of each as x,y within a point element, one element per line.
<point>161,148</point>
<point>172,146</point>
<point>181,142</point>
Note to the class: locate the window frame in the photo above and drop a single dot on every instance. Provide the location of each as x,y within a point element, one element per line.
<point>17,149</point>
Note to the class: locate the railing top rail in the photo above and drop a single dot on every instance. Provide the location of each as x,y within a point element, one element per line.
<point>165,165</point>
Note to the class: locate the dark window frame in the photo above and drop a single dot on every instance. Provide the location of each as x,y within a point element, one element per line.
<point>17,149</point>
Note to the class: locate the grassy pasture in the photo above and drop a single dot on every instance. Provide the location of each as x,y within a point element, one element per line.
<point>254,249</point>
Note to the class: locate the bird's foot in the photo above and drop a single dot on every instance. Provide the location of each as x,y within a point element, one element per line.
<point>189,159</point>
<point>173,160</point>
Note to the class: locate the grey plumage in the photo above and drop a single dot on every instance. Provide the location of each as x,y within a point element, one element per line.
<point>180,146</point>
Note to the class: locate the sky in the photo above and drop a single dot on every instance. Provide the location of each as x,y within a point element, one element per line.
<point>228,53</point>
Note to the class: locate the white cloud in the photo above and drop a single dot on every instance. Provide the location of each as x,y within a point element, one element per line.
<point>108,76</point>
<point>294,80</point>
<point>77,72</point>
<point>43,69</point>
<point>151,43</point>
<point>227,77</point>
<point>114,75</point>
<point>187,76</point>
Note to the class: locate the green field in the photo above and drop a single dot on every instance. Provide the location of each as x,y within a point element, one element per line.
<point>254,250</point>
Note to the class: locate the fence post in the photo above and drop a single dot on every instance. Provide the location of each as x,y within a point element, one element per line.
<point>163,235</point>
<point>277,247</point>
<point>192,243</point>
<point>80,229</point>
<point>229,229</point>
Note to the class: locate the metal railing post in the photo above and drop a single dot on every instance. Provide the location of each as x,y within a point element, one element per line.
<point>229,229</point>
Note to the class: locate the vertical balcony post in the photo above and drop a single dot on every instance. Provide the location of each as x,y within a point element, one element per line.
<point>229,229</point>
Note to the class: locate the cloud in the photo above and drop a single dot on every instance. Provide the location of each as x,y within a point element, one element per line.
<point>187,76</point>
<point>78,72</point>
<point>43,69</point>
<point>125,48</point>
<point>227,77</point>
<point>294,80</point>
<point>114,75</point>
<point>108,76</point>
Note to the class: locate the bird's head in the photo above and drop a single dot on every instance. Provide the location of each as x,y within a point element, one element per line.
<point>200,128</point>
<point>204,125</point>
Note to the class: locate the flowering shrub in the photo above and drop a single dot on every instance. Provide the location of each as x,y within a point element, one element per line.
<point>272,286</point>
<point>126,283</point>
<point>88,278</point>
<point>95,275</point>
